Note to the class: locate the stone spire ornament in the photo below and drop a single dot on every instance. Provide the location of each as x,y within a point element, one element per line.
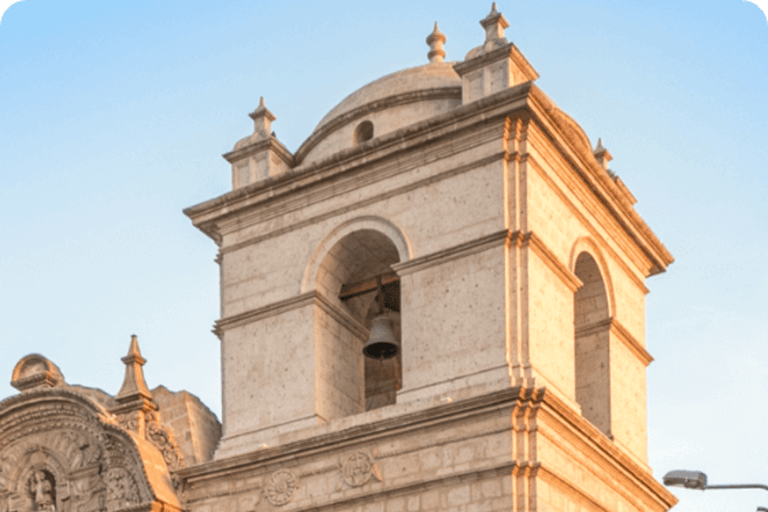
<point>435,40</point>
<point>494,25</point>
<point>602,155</point>
<point>134,387</point>
<point>134,397</point>
<point>262,121</point>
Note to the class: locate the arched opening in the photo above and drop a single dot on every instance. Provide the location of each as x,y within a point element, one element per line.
<point>592,339</point>
<point>356,276</point>
<point>363,132</point>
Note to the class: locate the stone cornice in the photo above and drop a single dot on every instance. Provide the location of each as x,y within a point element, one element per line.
<point>546,255</point>
<point>338,188</point>
<point>321,132</point>
<point>618,202</point>
<point>296,302</point>
<point>332,442</point>
<point>616,328</point>
<point>257,147</point>
<point>481,244</point>
<point>532,407</point>
<point>581,428</point>
<point>462,118</point>
<point>509,51</point>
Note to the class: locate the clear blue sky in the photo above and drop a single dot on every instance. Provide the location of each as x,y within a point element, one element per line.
<point>113,117</point>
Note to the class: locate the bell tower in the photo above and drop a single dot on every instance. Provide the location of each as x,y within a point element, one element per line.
<point>447,279</point>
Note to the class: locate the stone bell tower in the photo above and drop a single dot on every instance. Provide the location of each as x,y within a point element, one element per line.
<point>456,207</point>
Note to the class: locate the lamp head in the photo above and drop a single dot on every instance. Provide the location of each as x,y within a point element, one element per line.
<point>687,479</point>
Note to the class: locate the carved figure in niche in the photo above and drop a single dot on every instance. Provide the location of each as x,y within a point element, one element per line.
<point>42,490</point>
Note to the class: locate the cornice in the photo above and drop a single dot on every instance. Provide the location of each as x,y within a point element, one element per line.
<point>354,182</point>
<point>602,185</point>
<point>534,164</point>
<point>509,51</point>
<point>622,334</point>
<point>613,455</point>
<point>462,118</point>
<point>546,255</point>
<point>481,244</point>
<point>321,132</point>
<point>266,144</point>
<point>313,297</point>
<point>331,443</point>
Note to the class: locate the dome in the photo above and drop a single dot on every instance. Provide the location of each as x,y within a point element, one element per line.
<point>389,103</point>
<point>429,76</point>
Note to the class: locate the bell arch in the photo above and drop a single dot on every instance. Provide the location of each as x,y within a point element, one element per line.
<point>352,272</point>
<point>367,222</point>
<point>591,325</point>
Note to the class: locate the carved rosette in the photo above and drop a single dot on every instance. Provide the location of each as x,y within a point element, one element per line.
<point>281,488</point>
<point>358,469</point>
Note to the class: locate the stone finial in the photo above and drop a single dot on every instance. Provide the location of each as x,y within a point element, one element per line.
<point>36,371</point>
<point>134,388</point>
<point>262,120</point>
<point>494,24</point>
<point>435,40</point>
<point>602,155</point>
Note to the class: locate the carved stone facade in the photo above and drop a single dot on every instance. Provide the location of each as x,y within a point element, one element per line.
<point>69,448</point>
<point>455,207</point>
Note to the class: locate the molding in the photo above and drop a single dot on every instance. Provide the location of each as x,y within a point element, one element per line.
<point>322,131</point>
<point>622,334</point>
<point>299,301</point>
<point>276,308</point>
<point>452,253</point>
<point>533,163</point>
<point>508,51</point>
<point>362,203</point>
<point>546,255</point>
<point>630,341</point>
<point>259,146</point>
<point>341,316</point>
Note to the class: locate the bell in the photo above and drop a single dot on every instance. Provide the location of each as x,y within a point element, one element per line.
<point>381,343</point>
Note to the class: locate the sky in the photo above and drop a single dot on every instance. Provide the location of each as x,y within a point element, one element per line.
<point>114,116</point>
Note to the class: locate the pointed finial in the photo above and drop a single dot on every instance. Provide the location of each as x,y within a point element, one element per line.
<point>494,24</point>
<point>602,155</point>
<point>134,387</point>
<point>435,40</point>
<point>262,120</point>
<point>599,147</point>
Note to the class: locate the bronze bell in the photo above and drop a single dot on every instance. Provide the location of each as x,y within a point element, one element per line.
<point>381,343</point>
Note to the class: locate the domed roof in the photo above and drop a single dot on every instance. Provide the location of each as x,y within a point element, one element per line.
<point>435,75</point>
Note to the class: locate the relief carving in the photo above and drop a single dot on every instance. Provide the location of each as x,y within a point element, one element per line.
<point>281,488</point>
<point>41,488</point>
<point>163,439</point>
<point>357,470</point>
<point>121,489</point>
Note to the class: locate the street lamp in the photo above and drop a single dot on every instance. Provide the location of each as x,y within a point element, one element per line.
<point>698,480</point>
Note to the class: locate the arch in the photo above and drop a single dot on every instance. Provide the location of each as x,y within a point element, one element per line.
<point>367,222</point>
<point>591,336</point>
<point>587,245</point>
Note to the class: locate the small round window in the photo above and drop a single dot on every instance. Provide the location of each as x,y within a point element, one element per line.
<point>363,132</point>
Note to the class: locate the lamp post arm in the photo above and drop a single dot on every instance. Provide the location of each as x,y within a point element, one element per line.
<point>737,486</point>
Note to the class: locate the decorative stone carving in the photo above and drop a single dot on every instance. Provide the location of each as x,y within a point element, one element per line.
<point>41,487</point>
<point>281,487</point>
<point>162,438</point>
<point>357,470</point>
<point>122,490</point>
